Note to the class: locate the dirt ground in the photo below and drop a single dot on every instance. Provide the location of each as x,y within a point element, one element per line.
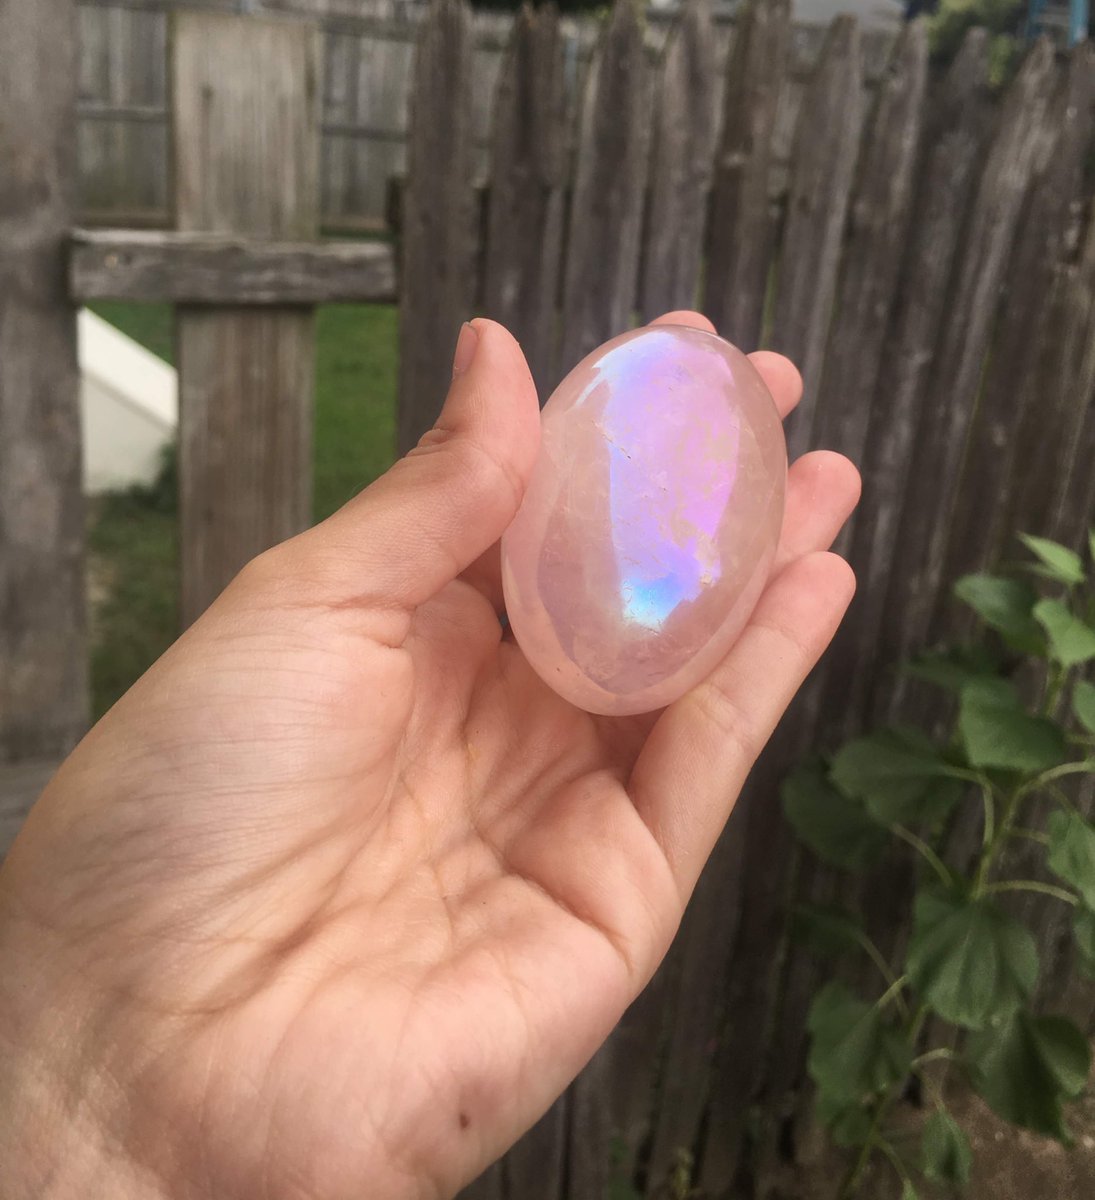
<point>1009,1164</point>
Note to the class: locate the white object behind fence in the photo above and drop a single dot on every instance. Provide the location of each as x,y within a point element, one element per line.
<point>128,404</point>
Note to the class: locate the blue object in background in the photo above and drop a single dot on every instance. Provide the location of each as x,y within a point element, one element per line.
<point>1042,16</point>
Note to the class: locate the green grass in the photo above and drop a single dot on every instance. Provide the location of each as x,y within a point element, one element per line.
<point>133,537</point>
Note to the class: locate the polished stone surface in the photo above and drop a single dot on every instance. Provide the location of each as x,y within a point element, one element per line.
<point>649,526</point>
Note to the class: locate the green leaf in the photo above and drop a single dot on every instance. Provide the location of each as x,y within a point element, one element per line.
<point>1060,562</point>
<point>997,733</point>
<point>908,1192</point>
<point>1004,605</point>
<point>1027,1067</point>
<point>1071,853</point>
<point>835,827</point>
<point>1083,933</point>
<point>1071,641</point>
<point>849,1124</point>
<point>945,1151</point>
<point>901,779</point>
<point>1083,704</point>
<point>854,1051</point>
<point>830,931</point>
<point>954,669</point>
<point>969,960</point>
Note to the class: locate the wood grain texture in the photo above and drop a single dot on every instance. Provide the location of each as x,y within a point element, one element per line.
<point>826,149</point>
<point>246,95</point>
<point>194,268</point>
<point>960,120</point>
<point>1020,142</point>
<point>1055,490</point>
<point>606,210</point>
<point>680,166</point>
<point>878,227</point>
<point>878,221</point>
<point>43,643</point>
<point>438,232</point>
<point>525,204</point>
<point>1018,415</point>
<point>741,227</point>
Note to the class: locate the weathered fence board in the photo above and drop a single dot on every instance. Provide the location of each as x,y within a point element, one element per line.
<point>1009,422</point>
<point>122,135</point>
<point>369,48</point>
<point>197,268</point>
<point>878,215</point>
<point>741,227</point>
<point>246,157</point>
<point>1056,487</point>
<point>826,149</point>
<point>959,121</point>
<point>607,205</point>
<point>525,217</point>
<point>437,281</point>
<point>43,648</point>
<point>680,166</point>
<point>877,228</point>
<point>1020,142</point>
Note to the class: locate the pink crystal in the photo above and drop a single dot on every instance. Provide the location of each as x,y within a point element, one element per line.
<point>651,520</point>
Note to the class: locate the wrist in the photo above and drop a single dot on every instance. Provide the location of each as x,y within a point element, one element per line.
<point>55,1140</point>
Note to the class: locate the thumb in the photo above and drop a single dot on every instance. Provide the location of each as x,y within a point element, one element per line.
<point>443,504</point>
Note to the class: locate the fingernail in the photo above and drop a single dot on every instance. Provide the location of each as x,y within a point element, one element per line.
<point>466,345</point>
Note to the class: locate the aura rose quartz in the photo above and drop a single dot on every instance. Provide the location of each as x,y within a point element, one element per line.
<point>650,522</point>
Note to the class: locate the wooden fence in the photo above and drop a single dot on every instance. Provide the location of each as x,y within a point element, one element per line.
<point>368,52</point>
<point>922,248</point>
<point>919,243</point>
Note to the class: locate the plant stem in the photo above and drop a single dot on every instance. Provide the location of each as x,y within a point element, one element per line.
<point>851,1180</point>
<point>893,982</point>
<point>895,1161</point>
<point>933,1056</point>
<point>894,990</point>
<point>989,806</point>
<point>1031,835</point>
<point>1055,682</point>
<point>1084,767</point>
<point>1032,885</point>
<point>922,848</point>
<point>1002,831</point>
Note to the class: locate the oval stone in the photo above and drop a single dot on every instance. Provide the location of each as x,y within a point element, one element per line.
<point>649,526</point>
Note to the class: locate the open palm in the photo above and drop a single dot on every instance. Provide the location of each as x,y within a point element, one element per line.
<point>340,896</point>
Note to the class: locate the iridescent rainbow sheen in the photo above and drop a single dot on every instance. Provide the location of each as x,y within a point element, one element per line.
<point>649,525</point>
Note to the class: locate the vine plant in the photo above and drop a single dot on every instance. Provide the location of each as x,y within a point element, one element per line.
<point>970,962</point>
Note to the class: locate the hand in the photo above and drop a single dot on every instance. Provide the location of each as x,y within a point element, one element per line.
<point>340,895</point>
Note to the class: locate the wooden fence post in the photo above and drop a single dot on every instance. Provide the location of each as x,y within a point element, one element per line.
<point>826,148</point>
<point>607,202</point>
<point>246,161</point>
<point>1016,419</point>
<point>437,234</point>
<point>680,165</point>
<point>43,644</point>
<point>528,169</point>
<point>1013,158</point>
<point>740,228</point>
<point>959,122</point>
<point>877,227</point>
